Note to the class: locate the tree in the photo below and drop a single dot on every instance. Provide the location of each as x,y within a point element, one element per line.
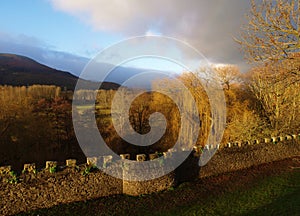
<point>227,75</point>
<point>58,112</point>
<point>278,99</point>
<point>202,111</point>
<point>14,104</point>
<point>271,39</point>
<point>273,32</point>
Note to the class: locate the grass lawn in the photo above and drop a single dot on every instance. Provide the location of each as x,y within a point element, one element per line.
<point>279,195</point>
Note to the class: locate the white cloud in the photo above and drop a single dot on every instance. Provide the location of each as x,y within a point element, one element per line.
<point>206,24</point>
<point>152,33</point>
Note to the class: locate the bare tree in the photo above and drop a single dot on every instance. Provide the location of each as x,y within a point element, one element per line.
<point>271,38</point>
<point>273,32</point>
<point>278,98</point>
<point>227,75</point>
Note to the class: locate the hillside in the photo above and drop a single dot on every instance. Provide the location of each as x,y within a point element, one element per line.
<point>19,70</point>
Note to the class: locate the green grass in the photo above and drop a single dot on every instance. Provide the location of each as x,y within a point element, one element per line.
<point>273,195</point>
<point>278,195</point>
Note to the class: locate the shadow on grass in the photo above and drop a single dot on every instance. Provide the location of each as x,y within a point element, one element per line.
<point>284,205</point>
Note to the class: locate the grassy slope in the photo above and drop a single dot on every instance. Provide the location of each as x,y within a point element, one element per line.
<point>279,195</point>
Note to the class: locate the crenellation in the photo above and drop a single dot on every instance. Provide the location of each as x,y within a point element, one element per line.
<point>197,150</point>
<point>122,166</point>
<point>247,142</point>
<point>5,169</point>
<point>104,161</point>
<point>141,157</point>
<point>125,156</point>
<point>274,139</point>
<point>29,167</point>
<point>71,163</point>
<point>92,161</point>
<point>238,144</point>
<point>171,150</point>
<point>153,156</point>
<point>256,141</point>
<point>51,164</point>
<point>288,137</point>
<point>167,154</point>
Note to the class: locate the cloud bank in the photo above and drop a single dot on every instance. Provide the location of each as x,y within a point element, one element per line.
<point>207,25</point>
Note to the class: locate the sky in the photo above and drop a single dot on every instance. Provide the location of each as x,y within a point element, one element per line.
<point>65,34</point>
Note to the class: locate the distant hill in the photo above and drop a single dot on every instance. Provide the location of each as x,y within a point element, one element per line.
<point>19,70</point>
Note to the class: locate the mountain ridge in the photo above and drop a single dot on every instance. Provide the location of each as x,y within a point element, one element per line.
<point>18,70</point>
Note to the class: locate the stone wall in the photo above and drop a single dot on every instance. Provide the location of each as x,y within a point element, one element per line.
<point>241,155</point>
<point>44,189</point>
<point>187,171</point>
<point>149,186</point>
<point>71,182</point>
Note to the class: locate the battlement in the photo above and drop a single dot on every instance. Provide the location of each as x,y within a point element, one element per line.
<point>55,184</point>
<point>264,140</point>
<point>253,152</point>
<point>123,168</point>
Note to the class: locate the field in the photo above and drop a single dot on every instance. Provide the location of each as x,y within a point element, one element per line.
<point>269,189</point>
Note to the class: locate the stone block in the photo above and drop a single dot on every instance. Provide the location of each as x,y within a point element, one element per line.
<point>141,157</point>
<point>198,150</point>
<point>104,161</point>
<point>29,167</point>
<point>153,156</point>
<point>280,138</point>
<point>107,158</point>
<point>247,142</point>
<point>5,169</point>
<point>172,150</point>
<point>238,144</point>
<point>167,154</point>
<point>211,146</point>
<point>273,139</point>
<point>51,164</point>
<point>71,163</point>
<point>92,161</point>
<point>206,147</point>
<point>267,140</point>
<point>125,156</point>
<point>255,142</point>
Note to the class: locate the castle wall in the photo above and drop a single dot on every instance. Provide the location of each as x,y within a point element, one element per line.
<point>69,183</point>
<point>244,156</point>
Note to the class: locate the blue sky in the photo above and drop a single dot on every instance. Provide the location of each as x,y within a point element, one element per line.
<point>65,34</point>
<point>37,22</point>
